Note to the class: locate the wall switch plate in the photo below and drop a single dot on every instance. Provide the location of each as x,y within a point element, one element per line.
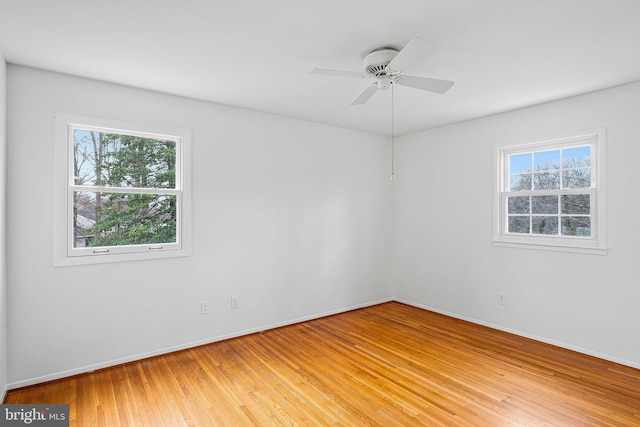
<point>235,302</point>
<point>204,308</point>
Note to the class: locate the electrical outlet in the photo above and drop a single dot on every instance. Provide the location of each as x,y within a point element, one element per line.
<point>502,298</point>
<point>204,308</point>
<point>235,303</point>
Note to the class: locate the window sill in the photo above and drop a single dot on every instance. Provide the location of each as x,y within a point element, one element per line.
<point>63,261</point>
<point>546,246</point>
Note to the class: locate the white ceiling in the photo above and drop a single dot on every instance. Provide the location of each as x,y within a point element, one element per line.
<point>256,54</point>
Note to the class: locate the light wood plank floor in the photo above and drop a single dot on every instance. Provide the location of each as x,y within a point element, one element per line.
<point>386,365</point>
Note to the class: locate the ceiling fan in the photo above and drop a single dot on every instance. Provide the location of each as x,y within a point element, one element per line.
<point>385,66</point>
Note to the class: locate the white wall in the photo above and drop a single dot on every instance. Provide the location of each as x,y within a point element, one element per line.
<point>3,286</point>
<point>443,255</point>
<point>297,219</point>
<point>293,217</point>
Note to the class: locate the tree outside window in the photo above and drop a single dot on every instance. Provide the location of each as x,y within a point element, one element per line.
<point>550,194</point>
<point>546,209</point>
<point>115,218</point>
<point>122,193</point>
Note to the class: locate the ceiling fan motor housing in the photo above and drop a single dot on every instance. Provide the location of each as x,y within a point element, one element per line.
<point>376,62</point>
<point>385,66</point>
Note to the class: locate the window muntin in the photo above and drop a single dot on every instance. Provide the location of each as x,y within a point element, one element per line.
<point>124,194</point>
<point>550,193</point>
<point>537,198</point>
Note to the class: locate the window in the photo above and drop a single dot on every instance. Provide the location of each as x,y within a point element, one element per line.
<point>121,191</point>
<point>551,194</point>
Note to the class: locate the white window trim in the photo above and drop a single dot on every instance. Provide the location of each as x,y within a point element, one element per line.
<point>63,254</point>
<point>594,245</point>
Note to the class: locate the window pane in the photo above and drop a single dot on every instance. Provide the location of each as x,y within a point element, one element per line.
<point>518,205</point>
<point>520,163</point>
<point>106,159</point>
<point>546,181</point>
<point>544,204</point>
<point>544,225</point>
<point>576,157</point>
<point>576,178</point>
<point>520,182</point>
<point>116,219</point>
<point>546,160</point>
<point>576,204</point>
<point>84,217</point>
<point>576,226</point>
<point>519,224</point>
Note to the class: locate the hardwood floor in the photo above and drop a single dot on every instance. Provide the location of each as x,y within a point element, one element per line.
<point>386,365</point>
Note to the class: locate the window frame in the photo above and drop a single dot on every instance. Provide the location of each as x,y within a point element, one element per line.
<point>64,252</point>
<point>596,243</point>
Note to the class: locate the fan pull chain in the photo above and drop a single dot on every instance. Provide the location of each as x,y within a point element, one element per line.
<point>393,174</point>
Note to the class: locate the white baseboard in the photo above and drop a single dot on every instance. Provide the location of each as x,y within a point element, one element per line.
<point>184,346</point>
<point>588,352</point>
<point>158,352</point>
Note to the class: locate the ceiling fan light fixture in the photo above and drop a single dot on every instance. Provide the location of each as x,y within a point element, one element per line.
<point>384,83</point>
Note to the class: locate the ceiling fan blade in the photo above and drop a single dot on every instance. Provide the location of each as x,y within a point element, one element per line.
<point>338,73</point>
<point>416,50</point>
<point>365,95</point>
<point>425,83</point>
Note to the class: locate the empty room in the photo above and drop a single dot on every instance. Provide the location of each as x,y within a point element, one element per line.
<point>357,213</point>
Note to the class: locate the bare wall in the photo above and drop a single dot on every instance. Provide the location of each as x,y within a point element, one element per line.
<point>443,255</point>
<point>3,282</point>
<point>293,217</point>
